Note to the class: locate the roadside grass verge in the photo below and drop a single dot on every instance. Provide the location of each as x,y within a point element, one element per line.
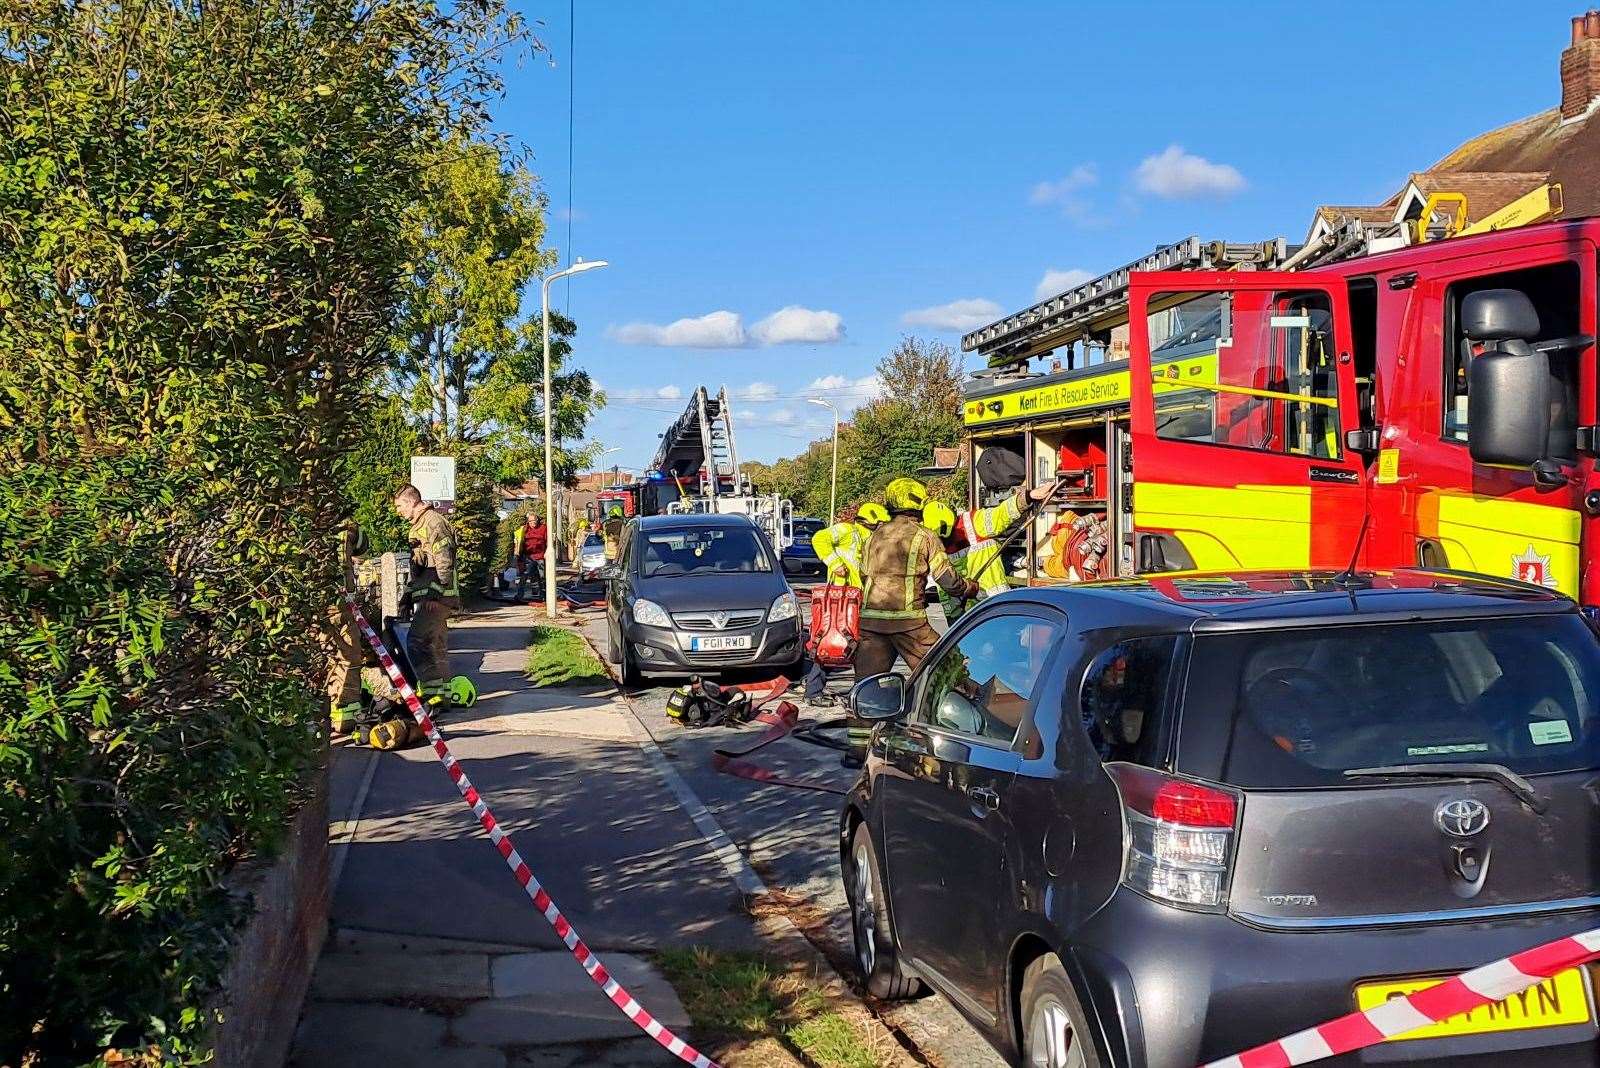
<point>557,657</point>
<point>746,1000</point>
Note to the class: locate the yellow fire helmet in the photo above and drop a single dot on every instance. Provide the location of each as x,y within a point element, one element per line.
<point>939,518</point>
<point>872,514</point>
<point>905,495</point>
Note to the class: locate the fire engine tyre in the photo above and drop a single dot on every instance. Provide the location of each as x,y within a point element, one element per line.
<point>876,959</point>
<point>1055,1032</point>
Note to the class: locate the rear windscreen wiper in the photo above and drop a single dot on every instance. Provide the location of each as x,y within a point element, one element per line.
<point>1522,788</point>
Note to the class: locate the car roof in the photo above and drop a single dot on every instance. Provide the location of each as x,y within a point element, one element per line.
<point>684,520</point>
<point>1253,599</point>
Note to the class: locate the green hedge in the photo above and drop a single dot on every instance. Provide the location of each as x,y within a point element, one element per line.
<point>199,270</point>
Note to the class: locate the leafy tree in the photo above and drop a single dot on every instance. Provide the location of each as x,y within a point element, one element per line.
<point>919,409</point>
<point>468,362</point>
<point>923,374</point>
<point>200,274</point>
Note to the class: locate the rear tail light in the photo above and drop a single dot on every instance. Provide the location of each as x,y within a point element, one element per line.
<point>1180,837</point>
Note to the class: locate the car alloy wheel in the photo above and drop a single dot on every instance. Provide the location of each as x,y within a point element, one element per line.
<point>864,907</point>
<point>1052,1042</point>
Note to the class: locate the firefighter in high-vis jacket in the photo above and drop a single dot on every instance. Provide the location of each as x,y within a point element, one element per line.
<point>611,532</point>
<point>901,557</point>
<point>839,547</point>
<point>433,593</point>
<point>971,539</point>
<point>343,638</point>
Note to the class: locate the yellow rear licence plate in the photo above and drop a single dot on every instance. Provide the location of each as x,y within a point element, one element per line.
<point>1558,1001</point>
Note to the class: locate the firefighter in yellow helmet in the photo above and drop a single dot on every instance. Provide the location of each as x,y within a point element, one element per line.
<point>839,546</point>
<point>900,558</point>
<point>611,532</point>
<point>971,539</point>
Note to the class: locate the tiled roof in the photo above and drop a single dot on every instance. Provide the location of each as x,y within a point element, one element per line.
<point>1566,152</point>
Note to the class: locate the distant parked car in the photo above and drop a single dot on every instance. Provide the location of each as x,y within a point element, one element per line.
<point>696,594</point>
<point>800,560</point>
<point>1157,822</point>
<point>591,557</point>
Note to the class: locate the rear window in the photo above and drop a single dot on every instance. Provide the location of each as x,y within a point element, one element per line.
<point>702,551</point>
<point>1308,705</point>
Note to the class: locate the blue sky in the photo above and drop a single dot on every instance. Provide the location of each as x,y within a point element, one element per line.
<point>795,186</point>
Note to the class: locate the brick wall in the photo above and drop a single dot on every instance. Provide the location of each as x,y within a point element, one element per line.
<point>276,950</point>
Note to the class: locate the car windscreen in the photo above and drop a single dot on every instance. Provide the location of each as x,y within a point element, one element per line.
<point>1304,706</point>
<point>702,551</point>
<point>594,541</point>
<point>806,527</point>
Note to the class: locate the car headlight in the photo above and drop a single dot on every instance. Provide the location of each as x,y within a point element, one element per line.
<point>785,607</point>
<point>650,614</point>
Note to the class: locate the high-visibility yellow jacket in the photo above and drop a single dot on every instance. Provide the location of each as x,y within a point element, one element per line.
<point>839,548</point>
<point>980,560</point>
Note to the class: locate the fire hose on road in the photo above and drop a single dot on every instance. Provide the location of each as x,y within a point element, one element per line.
<point>519,868</point>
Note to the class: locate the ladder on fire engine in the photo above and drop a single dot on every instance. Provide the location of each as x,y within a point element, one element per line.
<point>1088,311</point>
<point>716,434</point>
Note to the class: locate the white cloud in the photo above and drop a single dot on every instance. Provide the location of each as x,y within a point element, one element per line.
<point>725,330</point>
<point>1175,173</point>
<point>759,391</point>
<point>1063,191</point>
<point>797,324</point>
<point>846,393</point>
<point>715,330</point>
<point>780,417</point>
<point>958,315</point>
<point>1059,281</point>
<point>636,395</point>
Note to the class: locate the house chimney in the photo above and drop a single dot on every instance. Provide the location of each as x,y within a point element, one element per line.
<point>1580,66</point>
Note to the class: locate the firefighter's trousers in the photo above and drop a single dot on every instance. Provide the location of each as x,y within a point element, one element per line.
<point>428,646</point>
<point>876,655</point>
<point>342,639</point>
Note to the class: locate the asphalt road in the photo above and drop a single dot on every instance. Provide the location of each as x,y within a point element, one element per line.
<point>790,836</point>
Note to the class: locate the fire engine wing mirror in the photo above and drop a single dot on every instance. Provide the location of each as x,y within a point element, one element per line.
<point>1509,397</point>
<point>1364,441</point>
<point>878,697</point>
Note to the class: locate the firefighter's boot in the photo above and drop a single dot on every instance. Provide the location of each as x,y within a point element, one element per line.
<point>344,720</point>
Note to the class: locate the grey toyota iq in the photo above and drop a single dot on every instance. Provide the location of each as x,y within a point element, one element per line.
<point>698,594</point>
<point>1158,822</point>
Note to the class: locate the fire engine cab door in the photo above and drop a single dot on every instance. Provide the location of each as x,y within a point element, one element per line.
<point>1243,388</point>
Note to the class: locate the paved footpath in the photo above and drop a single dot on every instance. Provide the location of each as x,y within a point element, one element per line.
<point>790,838</point>
<point>437,957</point>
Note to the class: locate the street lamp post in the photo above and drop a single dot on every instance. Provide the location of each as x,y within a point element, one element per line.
<point>549,445</point>
<point>833,485</point>
<point>615,473</point>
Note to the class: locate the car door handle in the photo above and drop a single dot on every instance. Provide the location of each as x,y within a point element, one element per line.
<point>982,795</point>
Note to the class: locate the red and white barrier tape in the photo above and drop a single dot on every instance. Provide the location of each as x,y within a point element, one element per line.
<point>1465,992</point>
<point>502,841</point>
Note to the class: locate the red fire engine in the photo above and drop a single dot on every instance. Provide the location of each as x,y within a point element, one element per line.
<point>1444,395</point>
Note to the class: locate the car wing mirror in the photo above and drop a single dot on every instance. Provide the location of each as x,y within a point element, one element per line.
<point>878,697</point>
